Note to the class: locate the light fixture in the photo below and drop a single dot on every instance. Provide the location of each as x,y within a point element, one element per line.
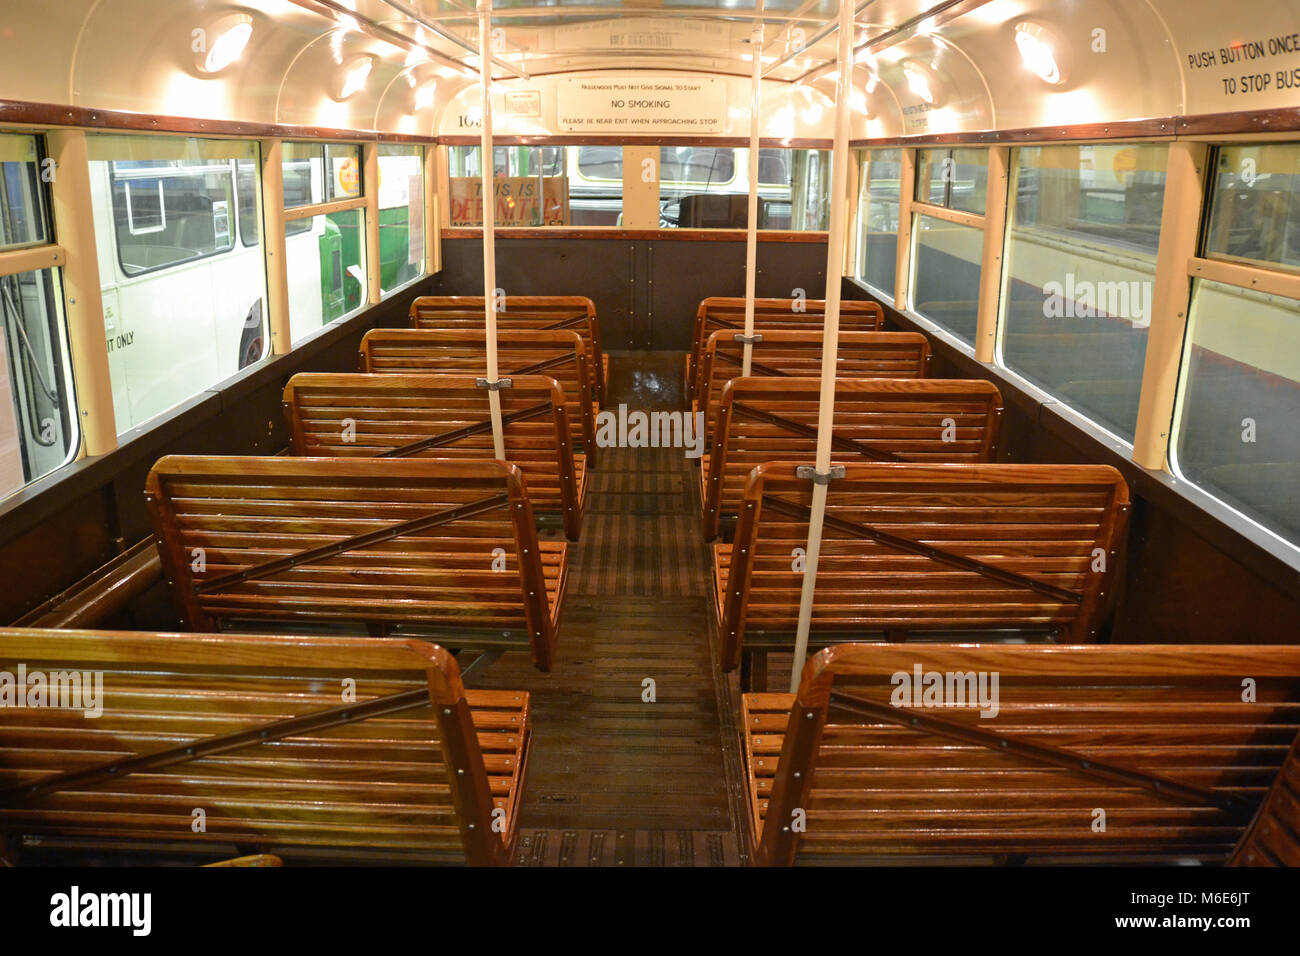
<point>873,80</point>
<point>1038,52</point>
<point>232,33</point>
<point>921,81</point>
<point>424,95</point>
<point>355,73</point>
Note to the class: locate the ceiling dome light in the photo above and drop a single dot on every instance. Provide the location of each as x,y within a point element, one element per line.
<point>424,95</point>
<point>232,34</point>
<point>355,74</point>
<point>1038,52</point>
<point>921,81</point>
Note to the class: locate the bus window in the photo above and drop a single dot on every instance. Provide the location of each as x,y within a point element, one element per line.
<point>1239,390</point>
<point>401,215</point>
<point>170,212</point>
<point>708,188</point>
<point>953,178</point>
<point>37,426</point>
<point>320,172</point>
<point>946,255</point>
<point>532,188</point>
<point>878,204</point>
<point>1235,433</point>
<point>945,282</point>
<point>183,299</point>
<point>1255,213</point>
<point>1080,270</point>
<point>327,279</point>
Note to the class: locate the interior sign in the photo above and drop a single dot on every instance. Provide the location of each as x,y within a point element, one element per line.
<point>523,103</point>
<point>1261,64</point>
<point>688,105</point>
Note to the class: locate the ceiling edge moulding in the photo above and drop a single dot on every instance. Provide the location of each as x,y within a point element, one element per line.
<point>1161,127</point>
<point>39,115</point>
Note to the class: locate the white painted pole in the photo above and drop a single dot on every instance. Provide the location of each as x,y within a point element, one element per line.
<point>751,237</point>
<point>830,339</point>
<point>484,8</point>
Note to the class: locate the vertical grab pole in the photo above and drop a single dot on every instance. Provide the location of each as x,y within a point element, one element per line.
<point>489,222</point>
<point>830,339</point>
<point>751,237</point>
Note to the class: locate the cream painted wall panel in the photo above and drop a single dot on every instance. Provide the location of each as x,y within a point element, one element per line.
<point>38,41</point>
<point>1263,73</point>
<point>138,55</point>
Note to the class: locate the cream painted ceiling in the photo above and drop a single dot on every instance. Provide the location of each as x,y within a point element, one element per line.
<point>137,55</point>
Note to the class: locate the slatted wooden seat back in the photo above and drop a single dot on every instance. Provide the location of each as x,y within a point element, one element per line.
<point>575,313</point>
<point>311,747</point>
<point>775,419</point>
<point>1273,837</point>
<point>441,416</point>
<point>913,548</point>
<point>727,314</point>
<point>799,355</point>
<point>1077,753</point>
<point>409,546</point>
<point>559,354</point>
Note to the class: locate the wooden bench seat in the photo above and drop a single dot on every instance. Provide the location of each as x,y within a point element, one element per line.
<point>443,416</point>
<point>775,419</point>
<point>727,314</point>
<point>1273,837</point>
<point>575,313</point>
<point>914,548</point>
<point>558,354</point>
<point>799,355</point>
<point>1093,753</point>
<point>410,546</point>
<point>325,748</point>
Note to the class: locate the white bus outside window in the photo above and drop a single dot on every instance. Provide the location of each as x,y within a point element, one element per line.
<point>183,290</point>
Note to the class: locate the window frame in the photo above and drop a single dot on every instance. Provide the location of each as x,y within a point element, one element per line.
<point>46,259</point>
<point>113,180</point>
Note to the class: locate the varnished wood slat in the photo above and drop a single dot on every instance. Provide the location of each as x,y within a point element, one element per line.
<point>967,516</point>
<point>361,415</point>
<point>431,780</point>
<point>912,420</point>
<point>1273,838</point>
<point>1022,780</point>
<point>801,315</point>
<point>794,354</point>
<point>557,354</point>
<point>572,312</point>
<point>217,519</point>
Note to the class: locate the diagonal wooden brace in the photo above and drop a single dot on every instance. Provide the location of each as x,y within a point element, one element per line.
<point>926,551</point>
<point>353,543</point>
<point>1229,803</point>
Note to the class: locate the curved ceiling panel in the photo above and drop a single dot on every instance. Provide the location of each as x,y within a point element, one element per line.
<point>924,66</point>
<point>163,42</point>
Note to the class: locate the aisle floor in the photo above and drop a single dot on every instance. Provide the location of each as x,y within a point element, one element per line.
<point>615,778</point>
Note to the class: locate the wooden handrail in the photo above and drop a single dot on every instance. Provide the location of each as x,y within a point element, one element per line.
<point>102,593</point>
